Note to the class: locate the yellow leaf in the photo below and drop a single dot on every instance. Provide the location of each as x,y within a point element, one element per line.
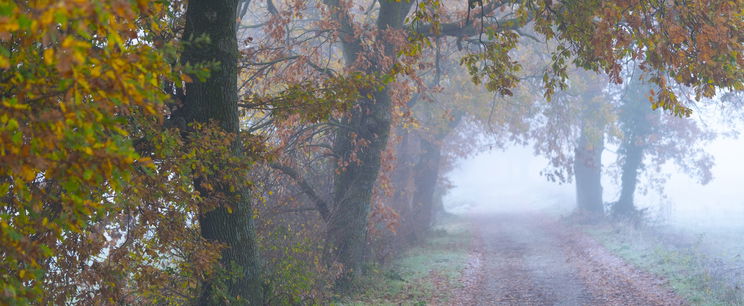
<point>96,71</point>
<point>150,109</point>
<point>17,106</point>
<point>68,42</point>
<point>27,173</point>
<point>49,56</point>
<point>47,17</point>
<point>4,63</point>
<point>186,78</point>
<point>9,27</point>
<point>121,131</point>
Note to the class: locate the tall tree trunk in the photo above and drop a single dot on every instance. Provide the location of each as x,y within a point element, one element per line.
<point>426,174</point>
<point>588,170</point>
<point>633,155</point>
<point>406,153</point>
<point>425,179</point>
<point>215,100</point>
<point>353,183</point>
<point>437,205</point>
<point>369,123</point>
<point>637,119</point>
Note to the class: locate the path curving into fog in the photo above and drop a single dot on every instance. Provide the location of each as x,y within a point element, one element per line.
<point>531,259</point>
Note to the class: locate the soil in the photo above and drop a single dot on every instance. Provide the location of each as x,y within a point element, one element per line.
<point>533,259</point>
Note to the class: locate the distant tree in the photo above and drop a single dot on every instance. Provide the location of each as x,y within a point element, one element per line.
<point>586,31</point>
<point>381,42</point>
<point>637,121</point>
<point>587,161</point>
<point>650,138</point>
<point>570,131</point>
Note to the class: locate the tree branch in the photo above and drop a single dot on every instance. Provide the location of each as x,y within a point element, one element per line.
<point>460,29</point>
<point>322,206</point>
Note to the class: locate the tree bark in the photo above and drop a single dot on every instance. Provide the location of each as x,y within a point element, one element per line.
<point>426,200</point>
<point>359,165</point>
<point>215,100</point>
<point>588,170</point>
<point>633,155</point>
<point>353,183</point>
<point>425,179</point>
<point>637,119</point>
<point>402,178</point>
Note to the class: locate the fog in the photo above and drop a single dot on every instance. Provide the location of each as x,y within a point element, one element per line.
<point>506,180</point>
<point>509,180</point>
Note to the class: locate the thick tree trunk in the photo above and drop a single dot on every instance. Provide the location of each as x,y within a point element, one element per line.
<point>354,182</point>
<point>215,100</point>
<point>588,171</point>
<point>368,124</point>
<point>425,179</point>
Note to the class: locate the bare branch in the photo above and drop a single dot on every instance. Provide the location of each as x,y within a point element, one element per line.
<point>321,204</point>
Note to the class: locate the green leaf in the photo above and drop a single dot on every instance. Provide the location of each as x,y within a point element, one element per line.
<point>24,22</point>
<point>87,174</point>
<point>6,9</point>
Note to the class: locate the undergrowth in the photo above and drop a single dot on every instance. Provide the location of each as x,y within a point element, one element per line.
<point>425,274</point>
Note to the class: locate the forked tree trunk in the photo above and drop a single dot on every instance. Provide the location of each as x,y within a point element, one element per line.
<point>637,119</point>
<point>369,123</point>
<point>215,99</point>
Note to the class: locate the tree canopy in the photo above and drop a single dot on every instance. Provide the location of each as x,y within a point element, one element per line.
<point>141,140</point>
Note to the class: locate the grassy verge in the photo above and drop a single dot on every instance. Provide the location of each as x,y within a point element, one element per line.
<point>692,271</point>
<point>424,274</point>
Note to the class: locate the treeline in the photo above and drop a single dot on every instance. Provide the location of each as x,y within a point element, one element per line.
<point>267,152</point>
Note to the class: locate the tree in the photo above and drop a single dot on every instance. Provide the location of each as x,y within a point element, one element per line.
<point>226,215</point>
<point>368,124</point>
<point>571,132</point>
<point>79,82</point>
<point>651,138</point>
<point>113,175</point>
<point>373,43</point>
<point>637,121</point>
<point>586,31</point>
<point>587,162</point>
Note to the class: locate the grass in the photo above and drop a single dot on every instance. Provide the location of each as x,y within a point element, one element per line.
<point>418,276</point>
<point>691,270</point>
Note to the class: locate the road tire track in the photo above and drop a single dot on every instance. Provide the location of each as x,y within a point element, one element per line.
<point>536,260</point>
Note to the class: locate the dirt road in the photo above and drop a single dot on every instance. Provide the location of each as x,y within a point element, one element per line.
<point>536,260</point>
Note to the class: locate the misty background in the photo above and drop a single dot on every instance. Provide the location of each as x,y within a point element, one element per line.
<point>509,180</point>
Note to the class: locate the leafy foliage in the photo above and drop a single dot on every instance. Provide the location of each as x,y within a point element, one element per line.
<point>696,43</point>
<point>97,172</point>
<point>75,80</point>
<point>99,202</point>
